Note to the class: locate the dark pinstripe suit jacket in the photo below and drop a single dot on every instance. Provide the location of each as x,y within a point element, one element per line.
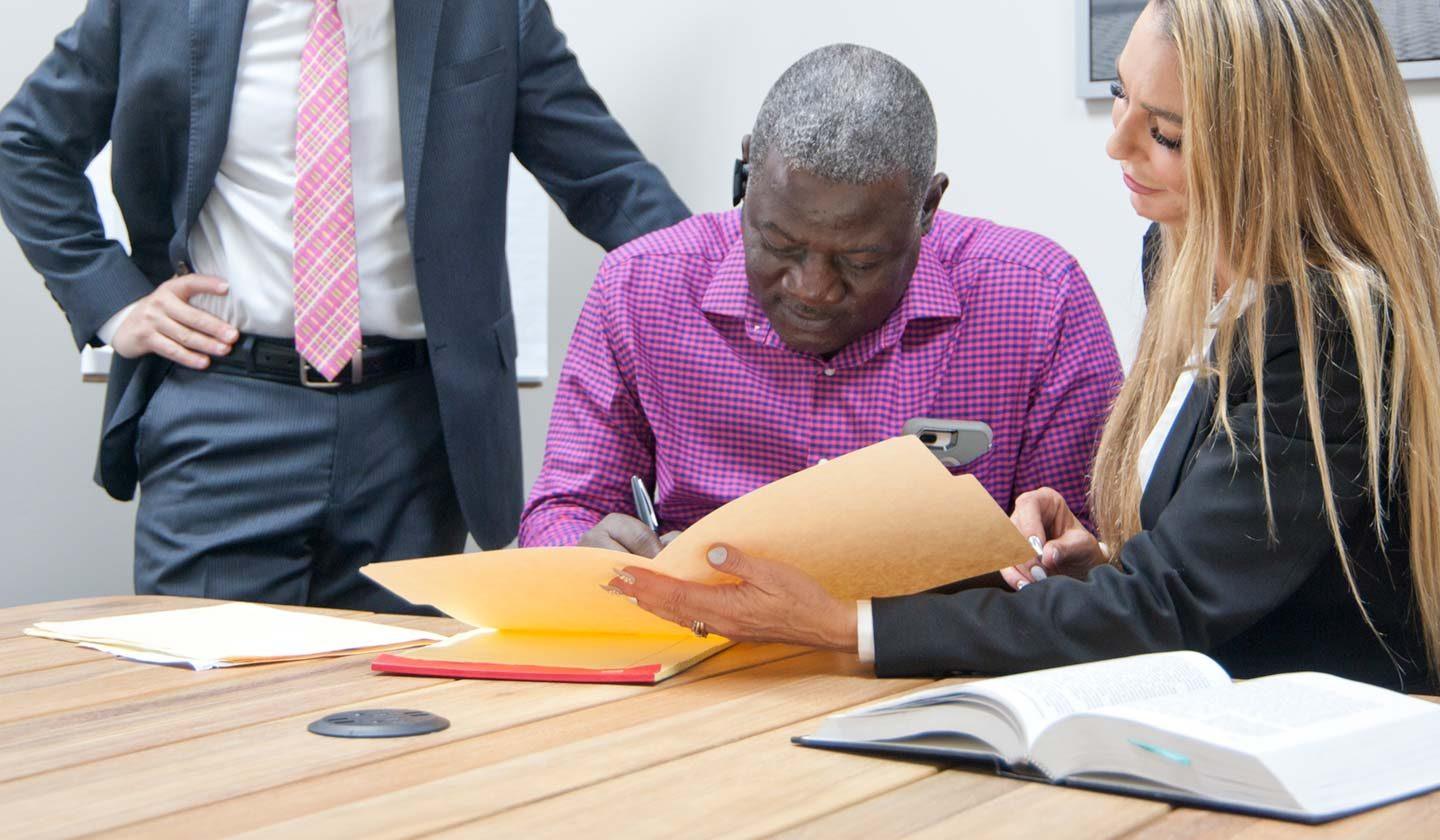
<point>478,79</point>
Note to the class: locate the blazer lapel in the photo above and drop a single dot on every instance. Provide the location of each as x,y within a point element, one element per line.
<point>215,32</point>
<point>1175,454</point>
<point>417,29</point>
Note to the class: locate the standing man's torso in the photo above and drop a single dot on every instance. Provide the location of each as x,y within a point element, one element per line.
<point>245,231</point>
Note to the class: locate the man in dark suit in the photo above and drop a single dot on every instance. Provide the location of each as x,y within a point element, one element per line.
<point>315,344</point>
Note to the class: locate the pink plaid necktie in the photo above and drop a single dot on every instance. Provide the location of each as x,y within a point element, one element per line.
<point>327,285</point>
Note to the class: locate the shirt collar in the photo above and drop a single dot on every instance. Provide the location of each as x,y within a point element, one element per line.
<point>932,294</point>
<point>728,292</point>
<point>933,291</point>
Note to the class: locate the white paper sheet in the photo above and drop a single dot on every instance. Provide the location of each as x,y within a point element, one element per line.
<point>236,633</point>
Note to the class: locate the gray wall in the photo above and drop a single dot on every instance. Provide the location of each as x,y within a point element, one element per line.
<point>685,77</point>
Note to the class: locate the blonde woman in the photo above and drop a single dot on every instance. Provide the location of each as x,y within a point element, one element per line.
<point>1269,480</point>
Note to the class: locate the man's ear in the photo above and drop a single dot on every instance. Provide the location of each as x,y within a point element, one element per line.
<point>933,193</point>
<point>740,177</point>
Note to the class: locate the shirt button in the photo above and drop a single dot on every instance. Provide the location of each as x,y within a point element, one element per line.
<point>829,371</point>
<point>756,328</point>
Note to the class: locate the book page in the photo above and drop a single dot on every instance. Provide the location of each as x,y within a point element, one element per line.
<point>1275,711</point>
<point>1301,744</point>
<point>1040,698</point>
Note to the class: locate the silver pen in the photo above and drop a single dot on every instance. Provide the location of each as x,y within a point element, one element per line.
<point>644,508</point>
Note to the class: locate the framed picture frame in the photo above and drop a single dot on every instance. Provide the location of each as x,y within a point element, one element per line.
<point>1102,26</point>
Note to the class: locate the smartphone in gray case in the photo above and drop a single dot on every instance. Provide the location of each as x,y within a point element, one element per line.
<point>955,442</point>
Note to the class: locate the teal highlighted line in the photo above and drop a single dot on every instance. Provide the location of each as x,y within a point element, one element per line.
<point>1168,755</point>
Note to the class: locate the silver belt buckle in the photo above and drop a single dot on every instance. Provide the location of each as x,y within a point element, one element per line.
<point>317,384</point>
<point>357,373</point>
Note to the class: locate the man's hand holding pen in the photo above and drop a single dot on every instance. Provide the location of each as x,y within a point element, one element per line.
<point>632,535</point>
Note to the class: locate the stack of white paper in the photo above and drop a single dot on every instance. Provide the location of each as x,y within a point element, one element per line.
<point>230,634</point>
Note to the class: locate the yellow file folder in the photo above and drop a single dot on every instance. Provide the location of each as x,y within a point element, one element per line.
<point>885,520</point>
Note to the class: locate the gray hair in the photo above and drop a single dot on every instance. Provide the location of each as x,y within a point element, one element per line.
<point>850,114</point>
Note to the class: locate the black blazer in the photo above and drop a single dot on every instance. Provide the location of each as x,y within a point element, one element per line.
<point>479,80</point>
<point>1202,575</point>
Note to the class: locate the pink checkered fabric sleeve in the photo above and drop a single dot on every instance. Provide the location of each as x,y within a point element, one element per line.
<point>598,435</point>
<point>1077,377</point>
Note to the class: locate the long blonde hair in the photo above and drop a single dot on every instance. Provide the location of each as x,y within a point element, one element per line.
<point>1302,161</point>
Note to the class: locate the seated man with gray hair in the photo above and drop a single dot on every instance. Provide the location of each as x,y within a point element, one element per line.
<point>732,349</point>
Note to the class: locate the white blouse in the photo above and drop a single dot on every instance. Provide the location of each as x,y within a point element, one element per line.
<point>1150,451</point>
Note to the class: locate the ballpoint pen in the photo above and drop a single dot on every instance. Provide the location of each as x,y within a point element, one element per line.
<point>643,506</point>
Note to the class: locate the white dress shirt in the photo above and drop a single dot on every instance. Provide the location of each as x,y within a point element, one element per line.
<point>245,232</point>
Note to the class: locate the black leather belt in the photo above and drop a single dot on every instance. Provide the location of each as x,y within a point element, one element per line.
<point>276,360</point>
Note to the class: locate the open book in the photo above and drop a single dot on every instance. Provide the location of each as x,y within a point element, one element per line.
<point>1172,726</point>
<point>888,519</point>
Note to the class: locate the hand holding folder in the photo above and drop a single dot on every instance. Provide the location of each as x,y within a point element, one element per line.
<point>885,520</point>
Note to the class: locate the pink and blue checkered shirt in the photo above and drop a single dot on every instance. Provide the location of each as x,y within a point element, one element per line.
<point>675,375</point>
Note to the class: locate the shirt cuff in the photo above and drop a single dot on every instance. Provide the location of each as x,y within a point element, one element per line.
<point>109,328</point>
<point>543,530</point>
<point>865,632</point>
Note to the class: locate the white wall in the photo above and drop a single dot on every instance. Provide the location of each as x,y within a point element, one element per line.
<point>685,77</point>
<point>60,535</point>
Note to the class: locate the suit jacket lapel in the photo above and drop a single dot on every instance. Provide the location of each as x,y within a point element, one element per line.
<point>417,29</point>
<point>215,32</point>
<point>1175,454</point>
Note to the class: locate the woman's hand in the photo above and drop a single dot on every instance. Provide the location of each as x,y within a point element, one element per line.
<point>772,602</point>
<point>1061,541</point>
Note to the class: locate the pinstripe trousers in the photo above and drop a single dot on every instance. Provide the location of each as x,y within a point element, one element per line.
<point>261,491</point>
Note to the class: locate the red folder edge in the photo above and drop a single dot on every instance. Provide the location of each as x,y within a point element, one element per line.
<point>390,663</point>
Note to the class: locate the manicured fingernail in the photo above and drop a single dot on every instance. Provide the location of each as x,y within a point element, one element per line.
<point>613,591</point>
<point>224,287</point>
<point>1037,573</point>
<point>624,575</point>
<point>1052,556</point>
<point>1021,585</point>
<point>716,556</point>
<point>1036,544</point>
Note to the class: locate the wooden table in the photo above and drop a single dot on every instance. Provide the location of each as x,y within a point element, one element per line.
<point>89,743</point>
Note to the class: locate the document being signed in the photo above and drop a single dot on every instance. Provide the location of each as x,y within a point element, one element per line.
<point>885,520</point>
